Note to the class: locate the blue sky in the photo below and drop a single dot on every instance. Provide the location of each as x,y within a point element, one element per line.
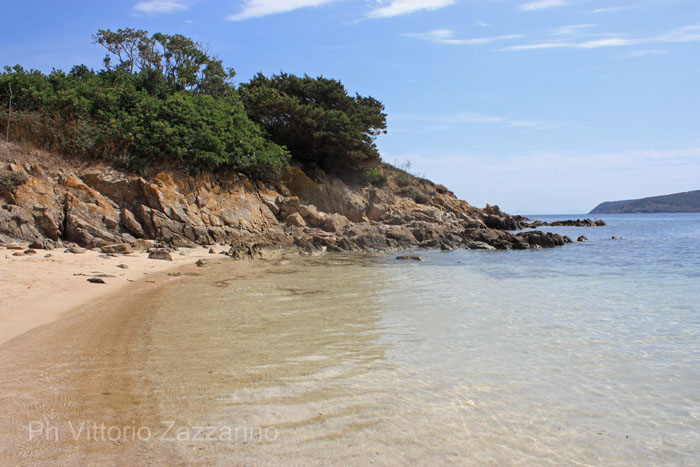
<point>540,106</point>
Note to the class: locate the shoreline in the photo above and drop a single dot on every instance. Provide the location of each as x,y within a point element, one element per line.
<point>38,290</point>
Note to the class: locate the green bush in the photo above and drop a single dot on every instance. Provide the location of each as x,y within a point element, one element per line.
<point>375,176</point>
<point>171,106</point>
<point>403,179</point>
<point>414,193</point>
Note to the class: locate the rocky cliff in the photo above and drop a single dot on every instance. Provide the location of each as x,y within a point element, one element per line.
<point>51,200</point>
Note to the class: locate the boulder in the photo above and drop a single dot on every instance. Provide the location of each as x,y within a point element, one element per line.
<point>160,254</point>
<point>410,258</point>
<point>121,248</point>
<point>130,223</point>
<point>334,223</point>
<point>295,219</point>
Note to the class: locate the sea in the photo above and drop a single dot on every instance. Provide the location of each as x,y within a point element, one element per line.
<point>587,354</point>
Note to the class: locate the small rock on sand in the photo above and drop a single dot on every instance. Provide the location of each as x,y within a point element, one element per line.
<point>96,280</point>
<point>122,266</point>
<point>160,254</point>
<point>203,263</point>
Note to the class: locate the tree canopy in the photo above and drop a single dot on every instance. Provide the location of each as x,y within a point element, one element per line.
<point>164,98</point>
<point>316,119</point>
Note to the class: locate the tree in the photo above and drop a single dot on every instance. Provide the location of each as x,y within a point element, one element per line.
<point>176,60</point>
<point>316,119</point>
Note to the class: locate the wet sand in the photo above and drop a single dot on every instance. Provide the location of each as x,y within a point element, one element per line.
<point>68,351</point>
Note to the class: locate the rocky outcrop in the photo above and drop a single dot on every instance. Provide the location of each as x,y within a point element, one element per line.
<point>97,206</point>
<point>566,223</point>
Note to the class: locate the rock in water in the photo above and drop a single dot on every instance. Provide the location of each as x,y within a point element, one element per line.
<point>582,239</point>
<point>410,258</point>
<point>160,254</point>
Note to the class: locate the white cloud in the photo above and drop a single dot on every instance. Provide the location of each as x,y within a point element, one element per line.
<point>685,34</point>
<point>467,118</point>
<point>613,9</point>
<point>572,29</point>
<point>154,7</point>
<point>259,8</point>
<point>447,37</point>
<point>483,24</point>
<point>644,53</point>
<point>402,7</point>
<point>542,4</point>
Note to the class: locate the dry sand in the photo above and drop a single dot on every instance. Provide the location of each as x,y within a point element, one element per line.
<point>36,290</point>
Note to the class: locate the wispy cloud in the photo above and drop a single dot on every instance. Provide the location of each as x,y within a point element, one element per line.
<point>259,8</point>
<point>447,37</point>
<point>543,4</point>
<point>644,53</point>
<point>402,7</point>
<point>685,34</point>
<point>468,118</point>
<point>483,24</point>
<point>155,7</point>
<point>572,29</point>
<point>613,9</point>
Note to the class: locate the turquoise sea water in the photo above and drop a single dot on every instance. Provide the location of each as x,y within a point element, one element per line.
<point>587,354</point>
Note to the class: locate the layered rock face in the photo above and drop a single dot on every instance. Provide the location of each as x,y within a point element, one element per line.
<point>55,200</point>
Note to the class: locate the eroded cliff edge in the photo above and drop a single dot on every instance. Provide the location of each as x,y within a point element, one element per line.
<point>51,200</point>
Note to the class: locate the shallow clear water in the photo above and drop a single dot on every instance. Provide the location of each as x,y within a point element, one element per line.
<point>587,354</point>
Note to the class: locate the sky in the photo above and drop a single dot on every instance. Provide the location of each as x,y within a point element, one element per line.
<point>539,106</point>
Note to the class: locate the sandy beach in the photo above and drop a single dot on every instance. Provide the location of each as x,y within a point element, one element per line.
<point>36,290</point>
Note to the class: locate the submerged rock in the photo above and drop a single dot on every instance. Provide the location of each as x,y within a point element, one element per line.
<point>410,258</point>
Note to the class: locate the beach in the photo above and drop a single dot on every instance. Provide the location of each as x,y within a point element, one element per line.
<point>351,359</point>
<point>37,290</point>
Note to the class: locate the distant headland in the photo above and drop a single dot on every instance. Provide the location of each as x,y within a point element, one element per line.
<point>688,201</point>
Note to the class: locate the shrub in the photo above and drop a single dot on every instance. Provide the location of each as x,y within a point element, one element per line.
<point>414,193</point>
<point>11,180</point>
<point>403,179</point>
<point>375,176</point>
<point>142,113</point>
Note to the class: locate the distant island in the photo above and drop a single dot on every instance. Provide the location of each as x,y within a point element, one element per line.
<point>688,201</point>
